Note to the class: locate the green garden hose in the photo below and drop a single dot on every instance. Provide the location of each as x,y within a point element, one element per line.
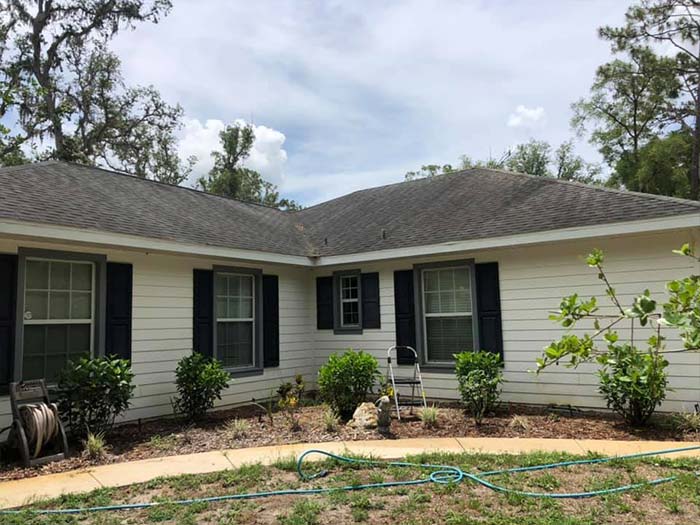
<point>441,474</point>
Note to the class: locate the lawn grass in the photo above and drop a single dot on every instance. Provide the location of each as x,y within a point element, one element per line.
<point>452,504</point>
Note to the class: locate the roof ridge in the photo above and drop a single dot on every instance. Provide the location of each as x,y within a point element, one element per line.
<point>577,184</point>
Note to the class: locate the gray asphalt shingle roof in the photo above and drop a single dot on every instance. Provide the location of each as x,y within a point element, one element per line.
<point>473,204</point>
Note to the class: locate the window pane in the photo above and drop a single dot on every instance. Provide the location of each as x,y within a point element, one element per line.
<point>34,340</point>
<point>33,367</point>
<point>82,277</point>
<point>78,340</point>
<point>447,302</point>
<point>234,284</point>
<point>60,276</point>
<point>57,339</point>
<point>246,308</point>
<point>235,344</point>
<point>247,286</point>
<point>446,336</point>
<point>36,306</point>
<point>58,305</point>
<point>351,314</point>
<point>446,279</point>
<point>430,279</point>
<point>80,305</point>
<point>221,284</point>
<point>348,287</point>
<point>37,275</point>
<point>221,308</point>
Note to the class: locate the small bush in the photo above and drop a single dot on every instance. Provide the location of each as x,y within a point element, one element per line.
<point>237,428</point>
<point>429,416</point>
<point>95,446</point>
<point>687,422</point>
<point>480,376</point>
<point>632,382</point>
<point>289,399</point>
<point>93,392</point>
<point>330,420</point>
<point>199,381</point>
<point>344,381</point>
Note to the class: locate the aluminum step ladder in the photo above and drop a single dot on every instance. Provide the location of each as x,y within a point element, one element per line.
<point>413,381</point>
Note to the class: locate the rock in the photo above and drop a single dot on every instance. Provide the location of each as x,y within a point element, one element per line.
<point>366,416</point>
<point>384,416</point>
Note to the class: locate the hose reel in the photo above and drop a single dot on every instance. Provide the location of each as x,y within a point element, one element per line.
<point>36,426</point>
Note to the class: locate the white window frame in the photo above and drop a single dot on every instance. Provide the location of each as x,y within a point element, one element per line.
<point>355,300</point>
<point>425,315</point>
<point>61,322</point>
<point>251,320</point>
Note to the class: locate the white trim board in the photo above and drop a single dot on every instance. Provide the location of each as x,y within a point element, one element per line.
<point>52,233</point>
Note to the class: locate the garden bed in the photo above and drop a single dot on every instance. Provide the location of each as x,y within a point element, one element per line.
<point>169,436</point>
<point>453,503</point>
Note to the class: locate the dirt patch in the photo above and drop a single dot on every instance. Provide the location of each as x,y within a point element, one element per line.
<point>168,436</point>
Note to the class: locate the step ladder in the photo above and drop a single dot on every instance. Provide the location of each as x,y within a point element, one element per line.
<point>413,381</point>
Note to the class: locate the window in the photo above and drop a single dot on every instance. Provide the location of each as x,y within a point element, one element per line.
<point>447,313</point>
<point>349,301</point>
<point>59,314</point>
<point>235,319</point>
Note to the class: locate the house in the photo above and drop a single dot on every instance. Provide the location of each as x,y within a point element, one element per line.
<point>93,261</point>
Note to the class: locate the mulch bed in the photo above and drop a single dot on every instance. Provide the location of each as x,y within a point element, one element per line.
<point>170,436</point>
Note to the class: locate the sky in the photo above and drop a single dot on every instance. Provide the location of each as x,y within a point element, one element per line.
<point>347,95</point>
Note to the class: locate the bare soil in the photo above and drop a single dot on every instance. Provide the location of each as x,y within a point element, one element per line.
<point>172,436</point>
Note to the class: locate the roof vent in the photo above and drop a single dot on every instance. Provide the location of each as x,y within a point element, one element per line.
<point>325,241</point>
<point>383,234</point>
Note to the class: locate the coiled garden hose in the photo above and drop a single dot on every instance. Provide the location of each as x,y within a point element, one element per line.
<point>40,422</point>
<point>442,474</point>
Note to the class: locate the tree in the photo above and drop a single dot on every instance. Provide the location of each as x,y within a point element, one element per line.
<point>628,104</point>
<point>230,178</point>
<point>534,158</point>
<point>661,166</point>
<point>674,24</point>
<point>69,94</point>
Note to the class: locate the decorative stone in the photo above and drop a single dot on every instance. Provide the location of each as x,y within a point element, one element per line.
<point>384,417</point>
<point>366,416</point>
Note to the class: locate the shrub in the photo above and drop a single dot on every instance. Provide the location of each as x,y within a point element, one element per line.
<point>633,383</point>
<point>429,417</point>
<point>289,400</point>
<point>687,422</point>
<point>480,376</point>
<point>237,428</point>
<point>330,420</point>
<point>95,446</point>
<point>344,381</point>
<point>199,381</point>
<point>93,392</point>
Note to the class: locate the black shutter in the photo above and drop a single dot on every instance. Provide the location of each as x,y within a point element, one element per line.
<point>488,305</point>
<point>203,327</point>
<point>118,324</point>
<point>405,315</point>
<point>370,301</point>
<point>324,303</point>
<point>8,288</point>
<point>271,321</point>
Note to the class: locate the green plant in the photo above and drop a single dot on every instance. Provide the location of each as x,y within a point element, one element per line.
<point>237,428</point>
<point>199,382</point>
<point>479,375</point>
<point>633,383</point>
<point>687,422</point>
<point>429,416</point>
<point>92,392</point>
<point>330,420</point>
<point>385,386</point>
<point>633,380</point>
<point>95,446</point>
<point>289,398</point>
<point>345,380</point>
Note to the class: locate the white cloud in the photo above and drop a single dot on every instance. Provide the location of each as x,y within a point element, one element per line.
<point>266,157</point>
<point>525,117</point>
<point>370,87</point>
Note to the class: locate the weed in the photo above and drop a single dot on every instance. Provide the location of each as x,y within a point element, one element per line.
<point>237,428</point>
<point>330,420</point>
<point>95,446</point>
<point>304,512</point>
<point>519,423</point>
<point>429,416</point>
